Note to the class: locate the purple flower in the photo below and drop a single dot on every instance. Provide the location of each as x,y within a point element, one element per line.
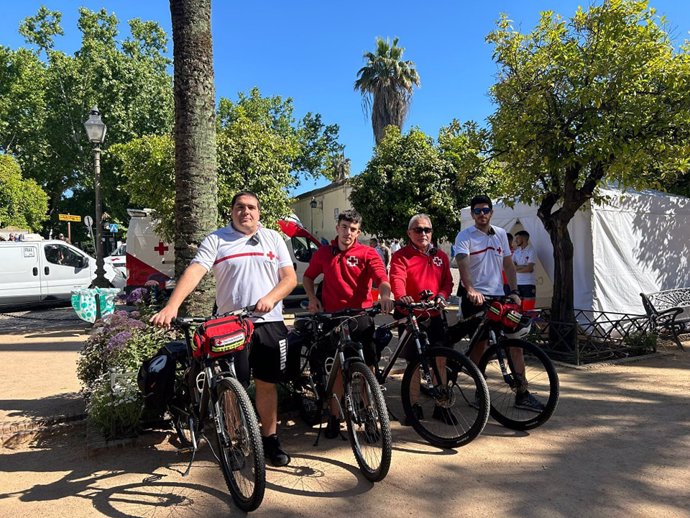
<point>119,340</point>
<point>137,296</point>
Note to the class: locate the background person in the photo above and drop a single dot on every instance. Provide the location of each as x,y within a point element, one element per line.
<point>525,258</point>
<point>482,255</point>
<point>349,269</point>
<point>252,265</point>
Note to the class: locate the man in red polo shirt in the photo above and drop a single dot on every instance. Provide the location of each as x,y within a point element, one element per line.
<point>418,267</point>
<point>348,269</point>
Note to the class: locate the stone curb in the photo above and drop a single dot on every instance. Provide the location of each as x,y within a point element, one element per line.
<point>28,426</point>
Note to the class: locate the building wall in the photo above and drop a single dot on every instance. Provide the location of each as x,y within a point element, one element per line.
<point>330,201</point>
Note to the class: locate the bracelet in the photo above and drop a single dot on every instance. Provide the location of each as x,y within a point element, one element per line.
<point>515,292</point>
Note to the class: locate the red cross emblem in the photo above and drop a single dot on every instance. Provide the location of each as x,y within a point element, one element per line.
<point>438,261</point>
<point>352,260</point>
<point>161,248</point>
<point>499,250</point>
<point>270,255</point>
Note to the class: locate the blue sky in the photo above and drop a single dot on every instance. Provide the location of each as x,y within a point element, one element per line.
<point>311,50</point>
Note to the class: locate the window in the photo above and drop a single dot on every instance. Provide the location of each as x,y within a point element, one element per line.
<point>303,249</point>
<point>63,255</point>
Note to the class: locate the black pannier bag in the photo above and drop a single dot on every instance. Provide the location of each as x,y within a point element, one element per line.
<point>156,377</point>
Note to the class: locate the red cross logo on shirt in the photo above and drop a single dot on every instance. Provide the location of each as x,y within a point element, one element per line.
<point>161,248</point>
<point>499,250</point>
<point>271,255</point>
<point>352,260</point>
<point>437,261</point>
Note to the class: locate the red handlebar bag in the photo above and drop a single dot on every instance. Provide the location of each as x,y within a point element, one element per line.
<point>508,314</point>
<point>221,336</point>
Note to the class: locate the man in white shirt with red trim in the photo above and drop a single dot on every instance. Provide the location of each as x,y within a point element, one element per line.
<point>525,259</point>
<point>482,254</point>
<point>252,265</point>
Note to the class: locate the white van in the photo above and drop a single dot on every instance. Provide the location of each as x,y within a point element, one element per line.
<point>45,270</point>
<point>150,258</point>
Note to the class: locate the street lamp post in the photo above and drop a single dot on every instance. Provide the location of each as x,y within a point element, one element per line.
<point>313,203</point>
<point>95,130</point>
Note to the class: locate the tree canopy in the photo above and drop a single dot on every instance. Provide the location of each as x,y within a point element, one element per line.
<point>386,83</point>
<point>602,97</point>
<point>45,95</point>
<point>260,147</point>
<point>411,174</point>
<point>23,203</point>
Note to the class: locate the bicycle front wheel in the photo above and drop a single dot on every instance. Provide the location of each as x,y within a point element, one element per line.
<point>367,423</point>
<point>520,401</point>
<point>239,444</point>
<point>448,412</point>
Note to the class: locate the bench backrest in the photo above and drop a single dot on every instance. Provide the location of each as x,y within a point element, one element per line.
<point>661,300</point>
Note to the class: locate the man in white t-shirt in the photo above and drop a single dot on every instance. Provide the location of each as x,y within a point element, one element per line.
<point>525,258</point>
<point>482,254</point>
<point>252,266</point>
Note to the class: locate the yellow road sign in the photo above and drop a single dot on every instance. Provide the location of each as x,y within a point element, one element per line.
<point>69,217</point>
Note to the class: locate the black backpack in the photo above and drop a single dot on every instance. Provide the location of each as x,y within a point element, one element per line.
<point>156,377</point>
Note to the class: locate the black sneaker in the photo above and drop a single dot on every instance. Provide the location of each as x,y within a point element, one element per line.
<point>371,432</point>
<point>237,461</point>
<point>444,415</point>
<point>527,401</point>
<point>273,451</point>
<point>417,412</point>
<point>332,428</point>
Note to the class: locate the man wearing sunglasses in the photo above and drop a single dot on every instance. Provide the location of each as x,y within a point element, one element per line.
<point>415,268</point>
<point>482,255</point>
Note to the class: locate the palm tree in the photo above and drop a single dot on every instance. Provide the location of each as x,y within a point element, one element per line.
<point>386,83</point>
<point>196,179</point>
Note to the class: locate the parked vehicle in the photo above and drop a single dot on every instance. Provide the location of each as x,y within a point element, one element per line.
<point>37,270</point>
<point>117,259</point>
<point>150,258</point>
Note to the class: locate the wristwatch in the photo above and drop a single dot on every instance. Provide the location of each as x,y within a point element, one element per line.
<point>515,292</point>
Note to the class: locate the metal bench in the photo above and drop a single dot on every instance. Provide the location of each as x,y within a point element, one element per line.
<point>668,312</point>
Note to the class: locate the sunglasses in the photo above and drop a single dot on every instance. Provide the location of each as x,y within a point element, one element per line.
<point>422,230</point>
<point>483,210</point>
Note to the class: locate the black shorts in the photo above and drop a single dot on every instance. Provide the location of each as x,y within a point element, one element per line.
<point>266,356</point>
<point>435,331</point>
<point>362,331</point>
<point>527,291</point>
<point>468,309</point>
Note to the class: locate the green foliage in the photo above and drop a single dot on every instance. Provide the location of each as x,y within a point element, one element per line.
<point>409,174</point>
<point>45,95</point>
<point>260,147</point>
<point>601,98</point>
<point>23,203</point>
<point>386,83</point>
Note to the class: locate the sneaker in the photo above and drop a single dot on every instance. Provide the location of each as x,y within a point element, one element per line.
<point>444,415</point>
<point>237,461</point>
<point>273,451</point>
<point>527,401</point>
<point>417,412</point>
<point>332,428</point>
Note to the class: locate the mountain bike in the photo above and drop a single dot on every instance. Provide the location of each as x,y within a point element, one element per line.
<point>207,393</point>
<point>451,406</point>
<point>505,327</point>
<point>327,354</point>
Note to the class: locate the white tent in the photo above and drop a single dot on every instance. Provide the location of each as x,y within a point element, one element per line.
<point>633,242</point>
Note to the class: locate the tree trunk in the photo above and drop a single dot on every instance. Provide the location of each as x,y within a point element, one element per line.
<point>196,180</point>
<point>563,329</point>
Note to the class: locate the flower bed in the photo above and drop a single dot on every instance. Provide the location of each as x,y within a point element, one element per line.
<point>108,364</point>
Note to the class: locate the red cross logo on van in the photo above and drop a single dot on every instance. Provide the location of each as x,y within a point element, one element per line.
<point>161,248</point>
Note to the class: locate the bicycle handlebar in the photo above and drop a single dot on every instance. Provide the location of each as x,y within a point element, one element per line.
<point>185,322</point>
<point>343,313</point>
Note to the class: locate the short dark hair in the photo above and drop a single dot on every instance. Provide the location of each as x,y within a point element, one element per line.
<point>351,216</point>
<point>481,199</point>
<point>523,233</point>
<point>245,193</point>
<point>510,236</point>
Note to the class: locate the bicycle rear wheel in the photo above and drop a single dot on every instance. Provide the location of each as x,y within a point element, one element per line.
<point>239,444</point>
<point>367,423</point>
<point>450,412</point>
<point>540,379</point>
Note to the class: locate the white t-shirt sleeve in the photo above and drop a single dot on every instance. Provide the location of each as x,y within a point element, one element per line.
<point>284,258</point>
<point>462,243</point>
<point>208,252</point>
<point>505,245</point>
